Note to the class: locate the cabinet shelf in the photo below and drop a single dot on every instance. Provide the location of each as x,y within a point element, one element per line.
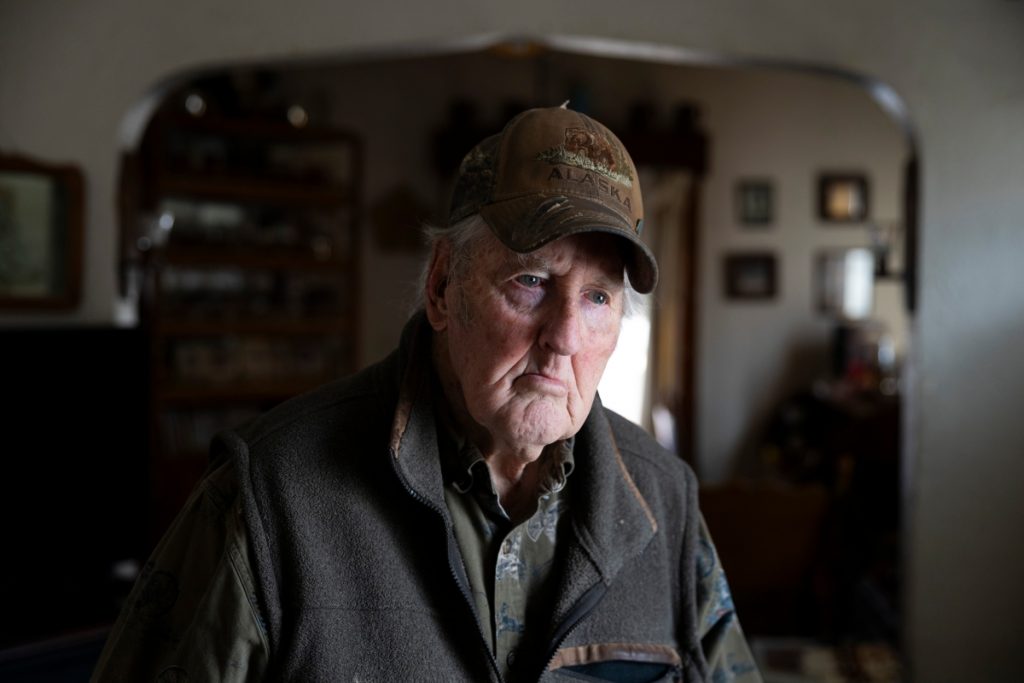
<point>252,295</point>
<point>197,327</point>
<point>256,190</point>
<point>192,394</point>
<point>264,130</point>
<point>268,258</point>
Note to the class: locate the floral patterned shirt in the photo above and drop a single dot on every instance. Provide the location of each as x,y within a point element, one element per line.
<point>508,564</point>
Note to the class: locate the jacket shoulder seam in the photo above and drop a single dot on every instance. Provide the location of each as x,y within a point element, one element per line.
<point>662,458</point>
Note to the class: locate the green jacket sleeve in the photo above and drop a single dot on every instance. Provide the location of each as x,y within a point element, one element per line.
<point>192,613</point>
<point>725,648</point>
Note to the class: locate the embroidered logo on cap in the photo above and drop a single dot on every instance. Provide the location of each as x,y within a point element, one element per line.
<point>590,151</point>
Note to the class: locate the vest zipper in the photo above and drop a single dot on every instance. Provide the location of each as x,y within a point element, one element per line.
<point>453,557</point>
<point>581,609</point>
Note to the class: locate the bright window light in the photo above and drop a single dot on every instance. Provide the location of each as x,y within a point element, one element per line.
<point>624,384</point>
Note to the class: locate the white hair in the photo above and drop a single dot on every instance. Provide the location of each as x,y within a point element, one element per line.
<point>463,239</point>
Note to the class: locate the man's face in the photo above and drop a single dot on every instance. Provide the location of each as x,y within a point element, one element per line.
<point>527,337</point>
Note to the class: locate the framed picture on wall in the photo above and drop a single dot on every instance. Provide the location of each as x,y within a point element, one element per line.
<point>843,197</point>
<point>40,235</point>
<point>750,276</point>
<point>755,203</point>
<point>844,280</point>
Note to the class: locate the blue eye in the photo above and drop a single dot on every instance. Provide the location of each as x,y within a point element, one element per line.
<point>599,298</point>
<point>529,280</point>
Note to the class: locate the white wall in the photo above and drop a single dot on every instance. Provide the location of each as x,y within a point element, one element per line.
<point>69,70</point>
<point>785,127</point>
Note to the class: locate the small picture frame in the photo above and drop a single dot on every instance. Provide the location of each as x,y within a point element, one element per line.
<point>755,202</point>
<point>843,197</point>
<point>41,208</point>
<point>750,276</point>
<point>844,280</point>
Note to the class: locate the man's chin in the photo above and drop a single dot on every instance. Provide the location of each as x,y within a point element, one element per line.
<point>538,428</point>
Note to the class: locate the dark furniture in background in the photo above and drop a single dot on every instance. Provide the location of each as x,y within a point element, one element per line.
<point>40,274</point>
<point>74,490</point>
<point>239,226</point>
<point>812,545</point>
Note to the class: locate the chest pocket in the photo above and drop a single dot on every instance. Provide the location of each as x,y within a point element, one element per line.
<point>618,663</point>
<point>621,672</point>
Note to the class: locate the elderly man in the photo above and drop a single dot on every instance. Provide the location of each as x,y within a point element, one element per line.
<point>464,510</point>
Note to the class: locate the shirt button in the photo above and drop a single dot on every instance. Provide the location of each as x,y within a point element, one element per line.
<point>510,659</point>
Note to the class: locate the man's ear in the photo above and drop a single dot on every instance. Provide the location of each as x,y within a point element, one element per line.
<point>437,285</point>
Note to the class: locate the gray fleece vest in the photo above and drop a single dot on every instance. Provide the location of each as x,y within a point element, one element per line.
<point>358,575</point>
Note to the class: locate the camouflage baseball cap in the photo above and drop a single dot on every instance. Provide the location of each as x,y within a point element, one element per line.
<point>552,173</point>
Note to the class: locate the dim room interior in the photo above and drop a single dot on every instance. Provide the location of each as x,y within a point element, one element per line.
<point>247,225</point>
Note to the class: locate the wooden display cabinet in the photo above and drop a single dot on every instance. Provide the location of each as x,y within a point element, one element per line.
<point>242,237</point>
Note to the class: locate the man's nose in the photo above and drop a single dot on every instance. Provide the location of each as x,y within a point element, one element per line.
<point>561,329</point>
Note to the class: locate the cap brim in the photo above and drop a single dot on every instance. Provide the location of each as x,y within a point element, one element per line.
<point>528,223</point>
